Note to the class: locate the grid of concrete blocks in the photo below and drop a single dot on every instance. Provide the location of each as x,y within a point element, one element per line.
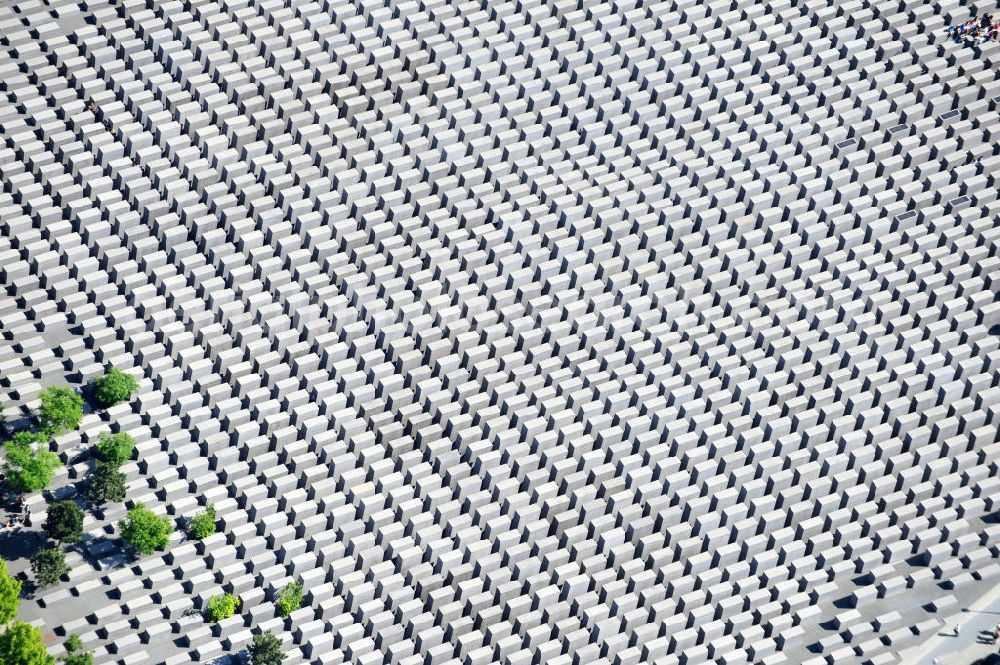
<point>520,332</point>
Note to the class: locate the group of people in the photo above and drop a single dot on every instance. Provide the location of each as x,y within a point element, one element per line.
<point>16,520</point>
<point>13,522</point>
<point>977,29</point>
<point>955,632</point>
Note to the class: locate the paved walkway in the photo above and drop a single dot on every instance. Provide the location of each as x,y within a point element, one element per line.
<point>975,623</point>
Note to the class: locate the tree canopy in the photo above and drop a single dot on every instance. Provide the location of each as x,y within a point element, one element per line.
<point>116,449</point>
<point>22,644</point>
<point>28,465</point>
<point>144,530</point>
<point>64,521</point>
<point>203,523</point>
<point>10,595</point>
<point>290,598</point>
<point>48,565</point>
<point>114,387</point>
<point>222,607</point>
<point>105,484</point>
<point>81,658</point>
<point>265,649</point>
<point>73,645</point>
<point>61,409</point>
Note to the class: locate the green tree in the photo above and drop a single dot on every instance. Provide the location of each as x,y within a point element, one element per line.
<point>82,658</point>
<point>61,410</point>
<point>116,448</point>
<point>73,643</point>
<point>222,607</point>
<point>29,467</point>
<point>203,523</point>
<point>73,646</point>
<point>10,595</point>
<point>106,484</point>
<point>64,522</point>
<point>114,387</point>
<point>144,530</point>
<point>22,644</point>
<point>290,598</point>
<point>265,649</point>
<point>48,565</point>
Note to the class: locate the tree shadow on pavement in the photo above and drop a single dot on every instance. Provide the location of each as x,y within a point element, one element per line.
<point>19,543</point>
<point>992,659</point>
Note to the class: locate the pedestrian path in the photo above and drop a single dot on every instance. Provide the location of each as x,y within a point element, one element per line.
<point>976,628</point>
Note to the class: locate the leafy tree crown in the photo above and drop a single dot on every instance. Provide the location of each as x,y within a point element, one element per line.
<point>22,644</point>
<point>222,606</point>
<point>48,565</point>
<point>114,387</point>
<point>203,523</point>
<point>290,598</point>
<point>84,658</point>
<point>29,467</point>
<point>144,530</point>
<point>61,409</point>
<point>116,448</point>
<point>106,484</point>
<point>73,643</point>
<point>64,522</point>
<point>10,595</point>
<point>265,649</point>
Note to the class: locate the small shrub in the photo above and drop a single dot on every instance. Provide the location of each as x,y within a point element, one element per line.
<point>203,523</point>
<point>82,658</point>
<point>28,465</point>
<point>73,645</point>
<point>64,522</point>
<point>106,484</point>
<point>48,565</point>
<point>61,410</point>
<point>116,448</point>
<point>265,649</point>
<point>222,607</point>
<point>10,595</point>
<point>144,530</point>
<point>290,599</point>
<point>114,387</point>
